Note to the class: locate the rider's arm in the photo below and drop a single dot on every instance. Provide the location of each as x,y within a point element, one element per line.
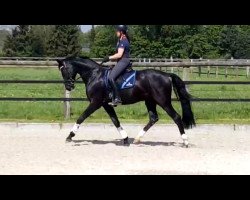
<point>118,55</point>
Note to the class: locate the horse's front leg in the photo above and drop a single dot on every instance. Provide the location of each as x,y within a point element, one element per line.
<point>112,114</point>
<point>93,106</point>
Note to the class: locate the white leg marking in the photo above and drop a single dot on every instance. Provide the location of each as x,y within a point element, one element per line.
<point>75,128</point>
<point>185,139</point>
<point>122,132</point>
<point>140,134</point>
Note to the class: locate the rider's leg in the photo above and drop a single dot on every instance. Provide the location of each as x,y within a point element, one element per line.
<point>117,70</point>
<point>116,96</point>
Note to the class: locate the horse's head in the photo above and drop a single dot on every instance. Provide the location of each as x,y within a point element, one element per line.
<point>68,73</point>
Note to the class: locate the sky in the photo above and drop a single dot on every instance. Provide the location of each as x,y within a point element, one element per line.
<point>85,28</point>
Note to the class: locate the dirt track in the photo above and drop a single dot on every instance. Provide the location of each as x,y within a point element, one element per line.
<point>97,150</point>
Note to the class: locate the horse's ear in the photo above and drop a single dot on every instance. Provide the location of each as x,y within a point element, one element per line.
<point>60,62</point>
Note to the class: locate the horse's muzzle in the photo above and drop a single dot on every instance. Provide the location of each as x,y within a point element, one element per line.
<point>69,85</point>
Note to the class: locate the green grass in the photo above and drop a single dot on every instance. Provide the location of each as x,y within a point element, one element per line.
<point>205,112</point>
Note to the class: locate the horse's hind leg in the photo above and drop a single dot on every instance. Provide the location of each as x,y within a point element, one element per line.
<point>177,119</point>
<point>153,118</point>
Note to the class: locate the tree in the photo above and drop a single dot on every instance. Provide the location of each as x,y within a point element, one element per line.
<point>105,41</point>
<point>140,46</point>
<point>18,43</point>
<point>212,35</point>
<point>9,45</point>
<point>235,41</point>
<point>179,41</point>
<point>228,40</point>
<point>65,41</point>
<point>92,36</point>
<point>39,36</point>
<point>28,40</point>
<point>3,36</point>
<point>243,42</point>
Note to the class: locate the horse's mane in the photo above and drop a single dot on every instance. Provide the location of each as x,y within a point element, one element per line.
<point>83,59</point>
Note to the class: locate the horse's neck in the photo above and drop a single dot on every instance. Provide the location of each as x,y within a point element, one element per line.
<point>87,72</point>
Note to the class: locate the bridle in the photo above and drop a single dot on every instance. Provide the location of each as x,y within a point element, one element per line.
<point>70,80</point>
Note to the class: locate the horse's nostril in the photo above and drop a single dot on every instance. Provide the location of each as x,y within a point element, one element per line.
<point>67,87</point>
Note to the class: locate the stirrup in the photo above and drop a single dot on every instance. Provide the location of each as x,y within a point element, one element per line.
<point>115,102</point>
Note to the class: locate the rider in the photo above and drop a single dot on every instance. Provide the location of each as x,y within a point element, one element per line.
<point>122,57</point>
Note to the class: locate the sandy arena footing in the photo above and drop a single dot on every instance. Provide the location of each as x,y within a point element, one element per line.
<point>97,149</point>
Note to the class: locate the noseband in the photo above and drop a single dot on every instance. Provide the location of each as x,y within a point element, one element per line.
<point>70,80</point>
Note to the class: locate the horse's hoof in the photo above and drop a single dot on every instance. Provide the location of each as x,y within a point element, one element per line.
<point>185,145</point>
<point>136,141</point>
<point>125,142</point>
<point>69,138</point>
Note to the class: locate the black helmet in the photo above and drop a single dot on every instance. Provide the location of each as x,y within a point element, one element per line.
<point>122,28</point>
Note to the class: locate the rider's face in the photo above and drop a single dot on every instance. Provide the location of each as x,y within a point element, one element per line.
<point>118,34</point>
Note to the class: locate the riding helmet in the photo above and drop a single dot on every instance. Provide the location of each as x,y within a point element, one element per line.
<point>122,28</point>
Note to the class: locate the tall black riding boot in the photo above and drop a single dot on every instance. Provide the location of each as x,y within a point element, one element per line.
<point>116,97</point>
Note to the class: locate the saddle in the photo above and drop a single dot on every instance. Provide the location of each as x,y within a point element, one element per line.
<point>125,81</point>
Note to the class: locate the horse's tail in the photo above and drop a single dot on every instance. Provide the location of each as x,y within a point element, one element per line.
<point>184,97</point>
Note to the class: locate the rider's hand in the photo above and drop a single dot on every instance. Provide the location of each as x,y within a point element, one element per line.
<point>105,59</point>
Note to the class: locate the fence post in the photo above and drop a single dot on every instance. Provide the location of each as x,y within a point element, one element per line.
<point>171,60</point>
<point>208,70</point>
<point>191,69</point>
<point>217,71</point>
<point>67,105</point>
<point>149,61</point>
<point>247,72</point>
<point>186,75</point>
<point>232,66</point>
<point>226,72</point>
<point>199,69</point>
<point>144,60</point>
<point>236,69</point>
<point>165,60</point>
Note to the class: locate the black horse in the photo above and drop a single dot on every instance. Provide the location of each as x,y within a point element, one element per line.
<point>152,86</point>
